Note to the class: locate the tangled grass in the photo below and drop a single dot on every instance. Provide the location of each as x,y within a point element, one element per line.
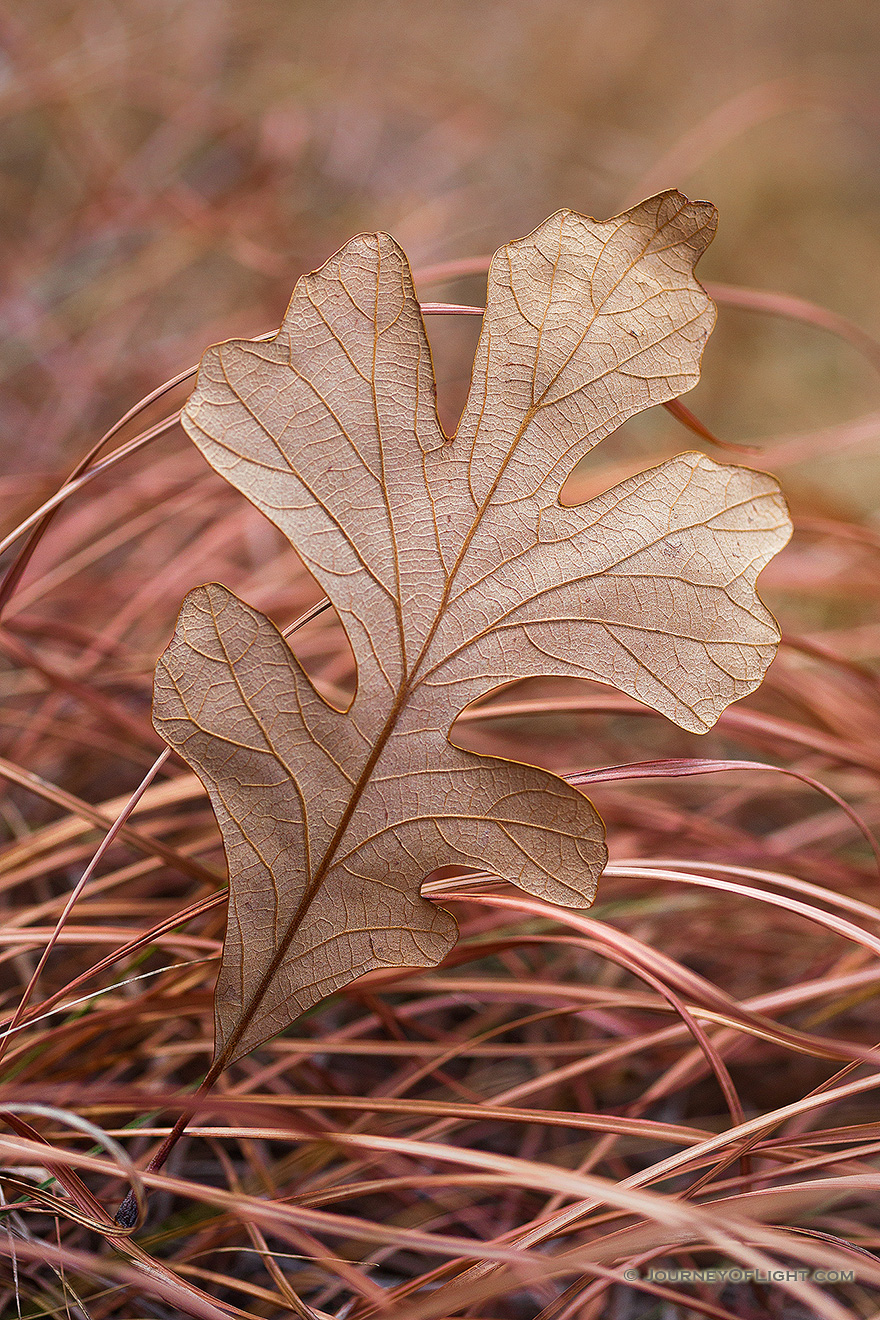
<point>683,1077</point>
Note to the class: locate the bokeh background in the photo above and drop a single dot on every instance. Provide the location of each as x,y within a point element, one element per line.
<point>168,168</point>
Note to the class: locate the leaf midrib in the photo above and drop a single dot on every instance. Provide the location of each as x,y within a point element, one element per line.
<point>363,779</point>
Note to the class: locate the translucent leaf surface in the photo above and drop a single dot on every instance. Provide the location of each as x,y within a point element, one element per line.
<point>454,568</point>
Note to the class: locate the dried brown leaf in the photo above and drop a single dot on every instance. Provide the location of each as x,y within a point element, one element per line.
<point>454,568</point>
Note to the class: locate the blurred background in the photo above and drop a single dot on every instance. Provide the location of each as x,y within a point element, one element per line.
<point>169,169</point>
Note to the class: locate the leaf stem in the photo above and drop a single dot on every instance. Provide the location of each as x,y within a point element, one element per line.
<point>127,1214</point>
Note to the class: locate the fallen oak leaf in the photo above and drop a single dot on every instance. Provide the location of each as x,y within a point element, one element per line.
<point>453,568</point>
